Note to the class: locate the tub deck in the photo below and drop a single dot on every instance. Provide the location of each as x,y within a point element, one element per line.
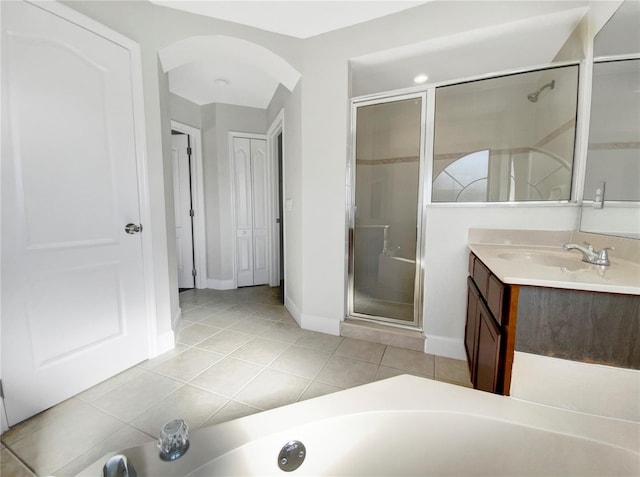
<point>407,425</point>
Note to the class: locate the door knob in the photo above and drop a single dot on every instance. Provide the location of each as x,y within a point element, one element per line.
<point>132,228</point>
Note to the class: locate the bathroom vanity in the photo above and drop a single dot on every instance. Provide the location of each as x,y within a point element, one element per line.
<point>543,300</point>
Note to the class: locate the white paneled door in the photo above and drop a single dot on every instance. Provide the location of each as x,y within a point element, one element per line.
<point>73,292</point>
<point>183,209</point>
<point>251,210</point>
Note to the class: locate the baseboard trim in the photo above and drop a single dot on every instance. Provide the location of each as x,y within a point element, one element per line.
<point>164,342</point>
<point>321,324</point>
<point>216,284</point>
<point>444,346</point>
<point>293,309</point>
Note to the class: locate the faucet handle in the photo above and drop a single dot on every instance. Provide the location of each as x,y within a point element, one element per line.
<point>588,245</point>
<point>604,255</point>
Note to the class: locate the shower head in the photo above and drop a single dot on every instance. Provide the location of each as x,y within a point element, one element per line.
<point>533,97</point>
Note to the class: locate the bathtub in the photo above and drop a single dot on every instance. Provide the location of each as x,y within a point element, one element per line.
<point>407,426</point>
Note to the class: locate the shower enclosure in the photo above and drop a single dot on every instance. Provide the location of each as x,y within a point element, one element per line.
<point>385,237</point>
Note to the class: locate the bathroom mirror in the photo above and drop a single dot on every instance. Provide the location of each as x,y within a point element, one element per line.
<point>506,139</point>
<point>612,179</point>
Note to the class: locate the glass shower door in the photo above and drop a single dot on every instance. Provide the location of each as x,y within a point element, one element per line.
<point>384,258</point>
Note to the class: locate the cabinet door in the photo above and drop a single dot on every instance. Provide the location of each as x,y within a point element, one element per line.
<point>488,351</point>
<point>471,327</point>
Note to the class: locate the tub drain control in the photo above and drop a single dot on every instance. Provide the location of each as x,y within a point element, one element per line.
<point>291,456</point>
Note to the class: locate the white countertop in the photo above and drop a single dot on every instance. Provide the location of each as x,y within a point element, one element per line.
<point>504,260</point>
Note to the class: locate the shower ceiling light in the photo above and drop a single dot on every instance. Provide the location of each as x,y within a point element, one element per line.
<point>221,82</point>
<point>421,78</point>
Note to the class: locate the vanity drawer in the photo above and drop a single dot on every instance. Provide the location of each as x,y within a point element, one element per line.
<point>495,299</point>
<point>481,276</point>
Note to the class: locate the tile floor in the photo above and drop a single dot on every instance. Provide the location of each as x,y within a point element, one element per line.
<point>237,352</point>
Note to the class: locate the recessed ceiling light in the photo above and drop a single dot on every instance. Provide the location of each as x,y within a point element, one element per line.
<point>421,78</point>
<point>221,82</point>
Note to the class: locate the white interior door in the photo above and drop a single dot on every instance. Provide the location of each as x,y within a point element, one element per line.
<point>182,204</point>
<point>73,295</point>
<point>251,202</point>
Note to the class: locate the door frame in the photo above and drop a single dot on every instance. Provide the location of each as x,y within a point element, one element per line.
<point>232,168</point>
<point>276,128</point>
<point>197,197</point>
<point>155,343</point>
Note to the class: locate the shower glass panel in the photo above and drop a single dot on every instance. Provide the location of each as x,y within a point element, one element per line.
<point>506,139</point>
<point>386,194</point>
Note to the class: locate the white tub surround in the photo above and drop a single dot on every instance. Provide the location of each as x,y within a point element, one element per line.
<point>438,429</point>
<point>537,258</point>
<point>590,388</point>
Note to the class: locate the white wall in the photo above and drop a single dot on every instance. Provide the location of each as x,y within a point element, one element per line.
<point>184,111</point>
<point>325,146</point>
<point>154,28</point>
<point>292,158</point>
<point>446,261</point>
<point>317,125</point>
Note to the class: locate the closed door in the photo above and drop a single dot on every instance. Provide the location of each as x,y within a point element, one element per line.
<point>183,209</point>
<point>73,296</point>
<point>251,210</point>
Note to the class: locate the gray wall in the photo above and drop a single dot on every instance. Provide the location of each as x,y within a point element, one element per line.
<point>184,111</point>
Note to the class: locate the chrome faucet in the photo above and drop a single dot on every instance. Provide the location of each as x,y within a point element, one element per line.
<point>118,466</point>
<point>590,255</point>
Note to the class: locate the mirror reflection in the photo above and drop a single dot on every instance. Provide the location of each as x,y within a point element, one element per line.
<point>506,139</point>
<point>612,178</point>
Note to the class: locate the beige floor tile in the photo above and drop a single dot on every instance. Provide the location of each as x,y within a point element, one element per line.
<point>225,342</point>
<point>301,361</point>
<point>65,438</point>
<point>197,314</point>
<point>227,377</point>
<point>272,389</point>
<point>319,341</point>
<point>317,389</point>
<point>415,362</point>
<point>189,364</point>
<point>283,332</point>
<point>10,466</point>
<point>385,372</point>
<point>345,372</point>
<point>362,350</point>
<point>192,334</point>
<point>152,363</point>
<point>251,325</point>
<point>121,439</point>
<point>452,370</point>
<point>40,421</point>
<point>104,387</point>
<point>231,410</point>
<point>260,351</point>
<point>192,404</point>
<point>127,402</point>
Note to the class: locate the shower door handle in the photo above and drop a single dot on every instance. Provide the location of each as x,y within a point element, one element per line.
<point>133,228</point>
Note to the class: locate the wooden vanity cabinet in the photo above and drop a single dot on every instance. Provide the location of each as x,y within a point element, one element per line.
<point>489,333</point>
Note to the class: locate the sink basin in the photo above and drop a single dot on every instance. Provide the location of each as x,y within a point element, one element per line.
<point>546,258</point>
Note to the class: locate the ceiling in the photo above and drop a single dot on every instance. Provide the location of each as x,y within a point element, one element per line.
<point>221,76</point>
<point>300,19</point>
<point>227,78</point>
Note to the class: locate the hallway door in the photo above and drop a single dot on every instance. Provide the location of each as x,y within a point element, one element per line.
<point>183,207</point>
<point>251,210</point>
<point>74,308</point>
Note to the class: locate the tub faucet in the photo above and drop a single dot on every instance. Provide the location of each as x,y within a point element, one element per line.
<point>118,466</point>
<point>590,255</point>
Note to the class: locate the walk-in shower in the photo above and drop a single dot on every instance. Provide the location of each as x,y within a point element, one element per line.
<point>385,222</point>
<point>533,97</point>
